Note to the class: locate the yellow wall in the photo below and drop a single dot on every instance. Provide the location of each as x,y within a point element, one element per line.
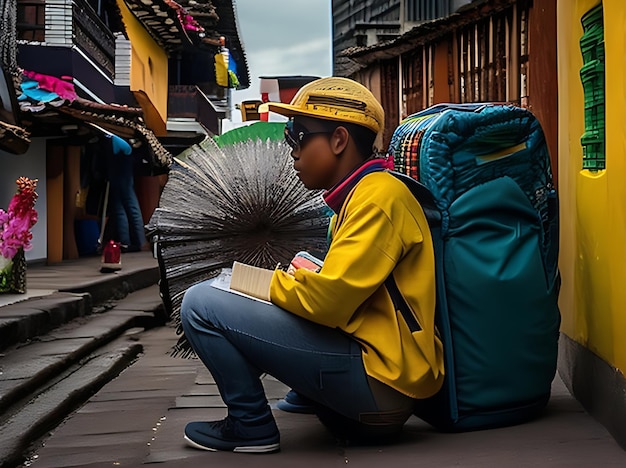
<point>593,204</point>
<point>149,70</point>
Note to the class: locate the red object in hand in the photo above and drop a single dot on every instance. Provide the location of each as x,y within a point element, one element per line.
<point>299,262</point>
<point>304,260</point>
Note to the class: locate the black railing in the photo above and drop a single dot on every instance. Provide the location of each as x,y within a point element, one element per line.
<point>187,101</point>
<point>89,32</point>
<point>93,36</point>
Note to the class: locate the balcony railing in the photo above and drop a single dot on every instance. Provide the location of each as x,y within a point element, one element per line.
<point>188,101</point>
<point>64,22</point>
<point>93,36</point>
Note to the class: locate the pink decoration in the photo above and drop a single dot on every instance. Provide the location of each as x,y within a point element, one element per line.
<point>17,221</point>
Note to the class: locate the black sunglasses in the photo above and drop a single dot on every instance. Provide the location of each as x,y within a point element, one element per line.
<point>295,138</point>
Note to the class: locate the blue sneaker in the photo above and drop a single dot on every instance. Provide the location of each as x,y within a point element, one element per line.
<point>234,436</point>
<point>296,403</point>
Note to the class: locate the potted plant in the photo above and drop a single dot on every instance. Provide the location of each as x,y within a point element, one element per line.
<point>15,236</point>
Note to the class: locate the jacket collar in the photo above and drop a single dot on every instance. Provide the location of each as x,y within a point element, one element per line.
<point>336,196</point>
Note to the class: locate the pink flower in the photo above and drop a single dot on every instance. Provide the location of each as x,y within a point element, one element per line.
<point>17,221</point>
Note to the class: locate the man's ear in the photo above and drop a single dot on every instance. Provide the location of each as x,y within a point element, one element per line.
<point>339,140</point>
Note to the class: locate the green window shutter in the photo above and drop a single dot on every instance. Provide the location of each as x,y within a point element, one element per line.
<point>592,76</point>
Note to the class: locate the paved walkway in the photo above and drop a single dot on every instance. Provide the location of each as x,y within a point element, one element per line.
<point>71,275</point>
<point>138,418</point>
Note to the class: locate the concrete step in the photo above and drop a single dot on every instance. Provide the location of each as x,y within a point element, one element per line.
<point>116,286</point>
<point>23,321</point>
<point>70,390</point>
<point>60,293</point>
<point>44,379</point>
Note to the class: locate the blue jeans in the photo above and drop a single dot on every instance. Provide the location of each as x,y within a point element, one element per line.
<point>238,339</point>
<point>124,205</point>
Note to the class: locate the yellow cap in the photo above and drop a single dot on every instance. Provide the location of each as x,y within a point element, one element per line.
<point>339,99</point>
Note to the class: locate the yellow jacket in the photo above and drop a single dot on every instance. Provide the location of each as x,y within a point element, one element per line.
<point>380,228</point>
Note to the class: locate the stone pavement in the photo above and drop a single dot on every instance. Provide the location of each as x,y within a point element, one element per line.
<point>138,419</point>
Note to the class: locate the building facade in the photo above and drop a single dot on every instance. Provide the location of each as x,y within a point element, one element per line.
<point>85,70</point>
<point>371,22</point>
<point>480,52</point>
<point>592,165</point>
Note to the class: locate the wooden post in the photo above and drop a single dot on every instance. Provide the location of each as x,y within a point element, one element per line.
<point>441,86</point>
<point>513,72</point>
<point>54,202</point>
<point>71,187</point>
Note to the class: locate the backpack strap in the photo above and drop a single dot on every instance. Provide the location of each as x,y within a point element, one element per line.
<point>424,197</point>
<point>400,304</point>
<point>433,216</point>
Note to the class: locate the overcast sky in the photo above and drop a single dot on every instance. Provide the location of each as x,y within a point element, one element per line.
<point>283,37</point>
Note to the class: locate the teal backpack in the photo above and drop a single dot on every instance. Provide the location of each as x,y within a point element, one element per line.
<point>485,184</point>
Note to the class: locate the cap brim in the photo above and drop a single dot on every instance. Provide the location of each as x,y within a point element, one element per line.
<point>291,111</point>
<point>285,109</point>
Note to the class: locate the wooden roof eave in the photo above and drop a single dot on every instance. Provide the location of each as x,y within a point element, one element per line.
<point>124,121</point>
<point>216,16</point>
<point>161,22</point>
<point>426,32</point>
<point>13,139</point>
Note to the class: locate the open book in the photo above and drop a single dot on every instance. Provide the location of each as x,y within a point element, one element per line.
<point>251,280</point>
<point>245,280</point>
<point>223,280</point>
<point>255,282</point>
